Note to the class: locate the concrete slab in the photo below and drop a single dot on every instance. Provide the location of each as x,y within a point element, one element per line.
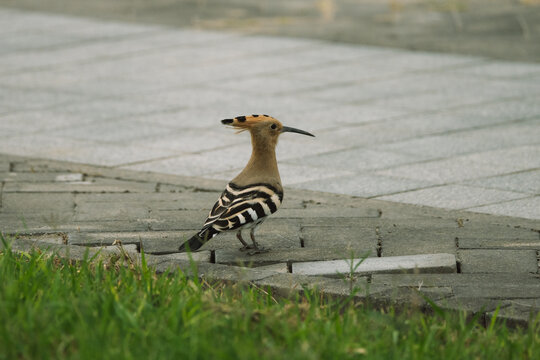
<point>448,145</point>
<point>357,239</point>
<point>498,261</point>
<point>37,203</point>
<point>438,263</point>
<point>514,315</point>
<point>455,280</point>
<point>454,196</point>
<point>379,113</point>
<point>357,160</point>
<point>468,167</point>
<point>532,243</point>
<point>369,185</point>
<point>528,208</point>
<point>125,237</point>
<point>524,182</point>
<point>235,257</point>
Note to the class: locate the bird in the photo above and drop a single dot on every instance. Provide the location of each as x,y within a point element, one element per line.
<point>255,193</point>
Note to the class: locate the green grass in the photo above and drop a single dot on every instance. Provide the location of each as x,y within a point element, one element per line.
<point>51,308</point>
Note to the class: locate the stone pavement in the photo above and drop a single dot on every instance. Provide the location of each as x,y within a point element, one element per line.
<point>448,131</point>
<point>458,259</point>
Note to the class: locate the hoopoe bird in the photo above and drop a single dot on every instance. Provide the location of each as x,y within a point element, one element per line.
<point>255,193</point>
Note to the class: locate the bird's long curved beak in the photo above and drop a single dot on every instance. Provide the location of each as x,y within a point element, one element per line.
<point>298,131</point>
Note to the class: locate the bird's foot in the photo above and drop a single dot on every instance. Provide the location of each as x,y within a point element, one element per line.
<point>246,248</point>
<point>257,250</point>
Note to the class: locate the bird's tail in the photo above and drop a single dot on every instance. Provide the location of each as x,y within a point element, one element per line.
<point>197,240</point>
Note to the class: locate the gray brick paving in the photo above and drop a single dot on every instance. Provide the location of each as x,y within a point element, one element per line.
<point>454,196</point>
<point>505,261</point>
<point>527,208</point>
<point>427,129</point>
<point>524,182</point>
<point>149,98</point>
<point>73,208</point>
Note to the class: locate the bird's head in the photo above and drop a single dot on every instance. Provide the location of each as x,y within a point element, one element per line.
<point>262,127</point>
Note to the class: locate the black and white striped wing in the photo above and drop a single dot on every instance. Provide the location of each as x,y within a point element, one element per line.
<point>241,206</point>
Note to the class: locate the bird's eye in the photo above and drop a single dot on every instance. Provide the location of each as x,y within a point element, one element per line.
<point>273,126</point>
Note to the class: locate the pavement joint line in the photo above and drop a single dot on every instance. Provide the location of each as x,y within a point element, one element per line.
<point>526,196</point>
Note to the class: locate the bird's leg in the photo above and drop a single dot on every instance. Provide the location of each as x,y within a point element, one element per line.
<point>256,248</point>
<point>239,236</point>
<point>252,235</point>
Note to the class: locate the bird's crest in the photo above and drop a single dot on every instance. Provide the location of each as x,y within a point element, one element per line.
<point>243,123</point>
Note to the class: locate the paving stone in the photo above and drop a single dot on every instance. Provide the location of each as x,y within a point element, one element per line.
<point>404,297</point>
<point>28,177</point>
<point>500,69</point>
<point>128,248</point>
<point>409,237</point>
<point>455,280</point>
<point>57,239</point>
<point>319,212</point>
<point>494,261</point>
<point>81,151</point>
<point>472,166</point>
<point>296,173</point>
<point>288,285</point>
<point>198,257</point>
<point>528,208</point>
<point>118,131</point>
<point>79,187</point>
<point>33,99</point>
<point>164,200</point>
<point>360,159</point>
<point>442,100</point>
<point>163,220</point>
<point>368,222</point>
<point>4,166</point>
<point>532,243</point>
<point>469,305</point>
<point>279,268</point>
<point>357,239</point>
<point>126,237</point>
<point>470,228</point>
<point>234,257</point>
<point>197,164</point>
<point>363,185</point>
<point>502,291</point>
<point>466,118</point>
<point>101,109</point>
<point>342,287</point>
<point>525,182</point>
<point>315,119</point>
<point>106,226</point>
<point>35,222</point>
<point>25,203</point>
<point>454,196</point>
<point>470,141</point>
<point>167,243</point>
<point>110,212</point>
<point>515,315</point>
<point>351,72</point>
<point>236,274</point>
<point>394,264</point>
<point>69,177</point>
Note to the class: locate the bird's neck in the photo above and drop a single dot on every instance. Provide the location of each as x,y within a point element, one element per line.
<point>262,165</point>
